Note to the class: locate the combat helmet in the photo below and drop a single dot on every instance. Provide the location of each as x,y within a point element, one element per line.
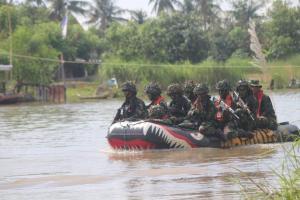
<point>242,83</point>
<point>153,88</point>
<point>189,87</point>
<point>157,112</point>
<point>200,89</point>
<point>174,89</point>
<point>223,85</point>
<point>129,86</point>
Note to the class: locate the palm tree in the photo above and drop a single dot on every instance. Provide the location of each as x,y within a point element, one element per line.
<point>38,3</point>
<point>58,8</point>
<point>163,5</point>
<point>245,10</point>
<point>104,12</point>
<point>187,6</point>
<point>208,10</point>
<point>5,2</point>
<point>139,16</point>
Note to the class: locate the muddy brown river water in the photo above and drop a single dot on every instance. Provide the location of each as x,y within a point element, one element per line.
<point>60,152</point>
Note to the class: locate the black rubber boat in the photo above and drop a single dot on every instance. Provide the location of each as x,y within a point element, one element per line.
<point>152,135</point>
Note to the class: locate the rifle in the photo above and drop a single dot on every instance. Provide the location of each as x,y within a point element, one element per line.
<point>243,104</point>
<point>224,106</point>
<point>118,115</point>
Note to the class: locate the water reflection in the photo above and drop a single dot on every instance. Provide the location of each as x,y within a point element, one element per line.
<point>191,156</point>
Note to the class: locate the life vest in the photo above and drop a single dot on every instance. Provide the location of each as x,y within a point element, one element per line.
<point>219,115</point>
<point>158,100</point>
<point>259,97</point>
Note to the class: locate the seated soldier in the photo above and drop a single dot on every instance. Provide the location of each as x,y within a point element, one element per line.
<point>153,92</point>
<point>179,105</point>
<point>225,117</point>
<point>188,90</point>
<point>203,110</point>
<point>246,106</point>
<point>157,113</point>
<point>133,108</point>
<point>266,117</point>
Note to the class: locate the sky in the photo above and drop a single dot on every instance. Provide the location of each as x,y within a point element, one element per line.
<point>144,5</point>
<point>135,5</point>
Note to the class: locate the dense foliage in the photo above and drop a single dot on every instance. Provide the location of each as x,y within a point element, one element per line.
<point>187,31</point>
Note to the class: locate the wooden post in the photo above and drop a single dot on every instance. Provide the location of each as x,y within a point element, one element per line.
<point>63,76</point>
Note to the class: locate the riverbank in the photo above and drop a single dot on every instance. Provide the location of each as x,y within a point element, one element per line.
<point>210,72</point>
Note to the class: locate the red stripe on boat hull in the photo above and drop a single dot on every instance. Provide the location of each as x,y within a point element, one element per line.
<point>130,144</point>
<point>179,136</point>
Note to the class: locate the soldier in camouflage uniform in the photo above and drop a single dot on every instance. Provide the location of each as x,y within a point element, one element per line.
<point>246,106</point>
<point>179,105</point>
<point>203,111</point>
<point>158,114</point>
<point>227,121</point>
<point>223,116</point>
<point>153,92</point>
<point>133,108</point>
<point>266,117</point>
<point>188,90</point>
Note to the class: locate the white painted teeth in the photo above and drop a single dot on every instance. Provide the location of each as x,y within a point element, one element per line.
<point>170,140</point>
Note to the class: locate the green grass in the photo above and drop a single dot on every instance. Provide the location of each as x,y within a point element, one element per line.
<point>82,89</point>
<point>288,176</point>
<point>208,71</point>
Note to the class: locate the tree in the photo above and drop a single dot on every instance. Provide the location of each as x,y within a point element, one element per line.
<point>187,6</point>
<point>35,41</point>
<point>163,5</point>
<point>139,16</point>
<point>5,2</point>
<point>208,10</point>
<point>38,3</point>
<point>282,30</point>
<point>59,8</point>
<point>103,13</point>
<point>245,10</point>
<point>221,45</point>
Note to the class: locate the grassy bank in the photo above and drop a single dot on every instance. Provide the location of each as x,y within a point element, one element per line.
<point>208,71</point>
<point>80,89</point>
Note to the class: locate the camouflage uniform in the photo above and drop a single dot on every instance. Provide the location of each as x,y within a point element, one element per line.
<point>245,95</point>
<point>266,117</point>
<point>203,109</point>
<point>223,116</point>
<point>179,105</point>
<point>188,90</point>
<point>133,108</point>
<point>153,91</point>
<point>226,122</point>
<point>158,114</point>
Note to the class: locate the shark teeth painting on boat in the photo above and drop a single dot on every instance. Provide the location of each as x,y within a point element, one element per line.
<point>167,137</point>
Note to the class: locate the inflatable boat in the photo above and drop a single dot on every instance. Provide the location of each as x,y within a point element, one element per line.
<point>153,135</point>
